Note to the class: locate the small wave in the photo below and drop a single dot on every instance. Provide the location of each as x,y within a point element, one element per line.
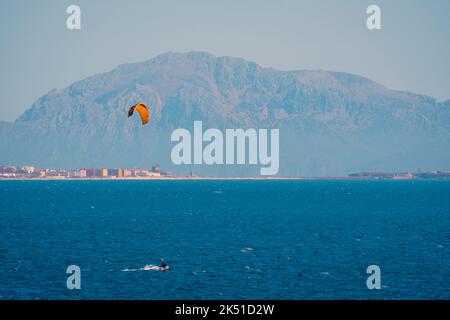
<point>196,273</point>
<point>247,249</point>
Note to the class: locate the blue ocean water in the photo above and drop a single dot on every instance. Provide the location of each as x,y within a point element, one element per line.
<point>225,239</point>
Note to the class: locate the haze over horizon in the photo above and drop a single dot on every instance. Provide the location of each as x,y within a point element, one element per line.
<point>38,53</point>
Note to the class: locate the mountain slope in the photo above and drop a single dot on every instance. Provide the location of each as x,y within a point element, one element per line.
<point>330,123</point>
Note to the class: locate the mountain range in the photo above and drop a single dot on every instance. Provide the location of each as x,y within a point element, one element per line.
<point>331,123</point>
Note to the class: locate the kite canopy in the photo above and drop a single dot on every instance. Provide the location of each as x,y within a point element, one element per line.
<point>143,112</point>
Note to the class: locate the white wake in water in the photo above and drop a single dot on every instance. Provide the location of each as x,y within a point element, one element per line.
<point>145,268</point>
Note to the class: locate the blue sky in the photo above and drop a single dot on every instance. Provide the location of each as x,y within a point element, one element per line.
<point>38,53</point>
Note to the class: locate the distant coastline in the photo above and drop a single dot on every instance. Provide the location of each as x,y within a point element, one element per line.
<point>155,173</point>
<point>199,178</point>
<point>177,178</point>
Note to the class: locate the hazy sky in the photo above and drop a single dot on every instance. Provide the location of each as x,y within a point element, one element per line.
<point>38,53</point>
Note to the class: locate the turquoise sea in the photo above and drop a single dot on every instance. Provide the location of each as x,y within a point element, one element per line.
<point>225,239</point>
